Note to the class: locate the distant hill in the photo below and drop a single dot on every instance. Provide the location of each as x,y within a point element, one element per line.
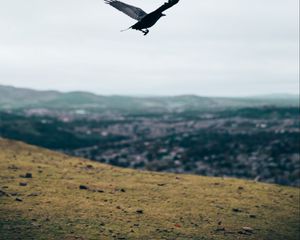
<point>47,195</point>
<point>11,97</point>
<point>16,98</point>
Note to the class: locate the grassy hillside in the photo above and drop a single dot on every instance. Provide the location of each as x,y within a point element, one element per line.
<point>46,195</point>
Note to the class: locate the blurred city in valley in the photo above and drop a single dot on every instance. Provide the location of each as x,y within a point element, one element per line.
<point>253,138</point>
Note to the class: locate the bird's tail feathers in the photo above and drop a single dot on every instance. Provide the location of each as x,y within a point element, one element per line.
<point>126,29</point>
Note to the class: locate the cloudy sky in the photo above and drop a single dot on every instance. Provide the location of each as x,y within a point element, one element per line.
<point>204,47</point>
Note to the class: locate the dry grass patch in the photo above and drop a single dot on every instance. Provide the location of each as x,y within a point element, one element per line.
<point>70,198</point>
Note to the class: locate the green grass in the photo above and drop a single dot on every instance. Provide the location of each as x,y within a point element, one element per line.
<point>173,206</point>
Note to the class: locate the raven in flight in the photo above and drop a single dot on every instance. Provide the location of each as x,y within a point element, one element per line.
<point>145,20</point>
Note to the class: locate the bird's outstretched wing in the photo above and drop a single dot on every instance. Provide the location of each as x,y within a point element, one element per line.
<point>133,12</point>
<point>167,5</point>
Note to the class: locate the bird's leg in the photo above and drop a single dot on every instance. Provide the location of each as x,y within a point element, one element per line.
<point>146,32</point>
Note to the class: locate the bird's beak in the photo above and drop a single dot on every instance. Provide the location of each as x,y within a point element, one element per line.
<point>163,15</point>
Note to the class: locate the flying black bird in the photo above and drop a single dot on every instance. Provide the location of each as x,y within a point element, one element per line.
<point>145,20</point>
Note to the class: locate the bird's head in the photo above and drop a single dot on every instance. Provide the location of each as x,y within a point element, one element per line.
<point>163,15</point>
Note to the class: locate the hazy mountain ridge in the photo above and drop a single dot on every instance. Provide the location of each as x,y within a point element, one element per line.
<point>15,98</point>
<point>11,97</point>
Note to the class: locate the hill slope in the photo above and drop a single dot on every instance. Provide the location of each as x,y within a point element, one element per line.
<point>116,203</point>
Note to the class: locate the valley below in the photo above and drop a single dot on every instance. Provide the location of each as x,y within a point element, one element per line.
<point>254,138</point>
<point>259,143</point>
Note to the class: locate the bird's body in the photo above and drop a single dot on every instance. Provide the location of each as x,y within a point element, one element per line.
<point>145,20</point>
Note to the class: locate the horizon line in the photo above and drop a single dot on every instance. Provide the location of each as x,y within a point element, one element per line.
<point>274,94</point>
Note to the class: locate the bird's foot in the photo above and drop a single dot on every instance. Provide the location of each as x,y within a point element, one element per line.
<point>145,32</point>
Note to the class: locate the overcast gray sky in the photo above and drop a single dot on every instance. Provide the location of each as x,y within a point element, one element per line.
<point>204,47</point>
